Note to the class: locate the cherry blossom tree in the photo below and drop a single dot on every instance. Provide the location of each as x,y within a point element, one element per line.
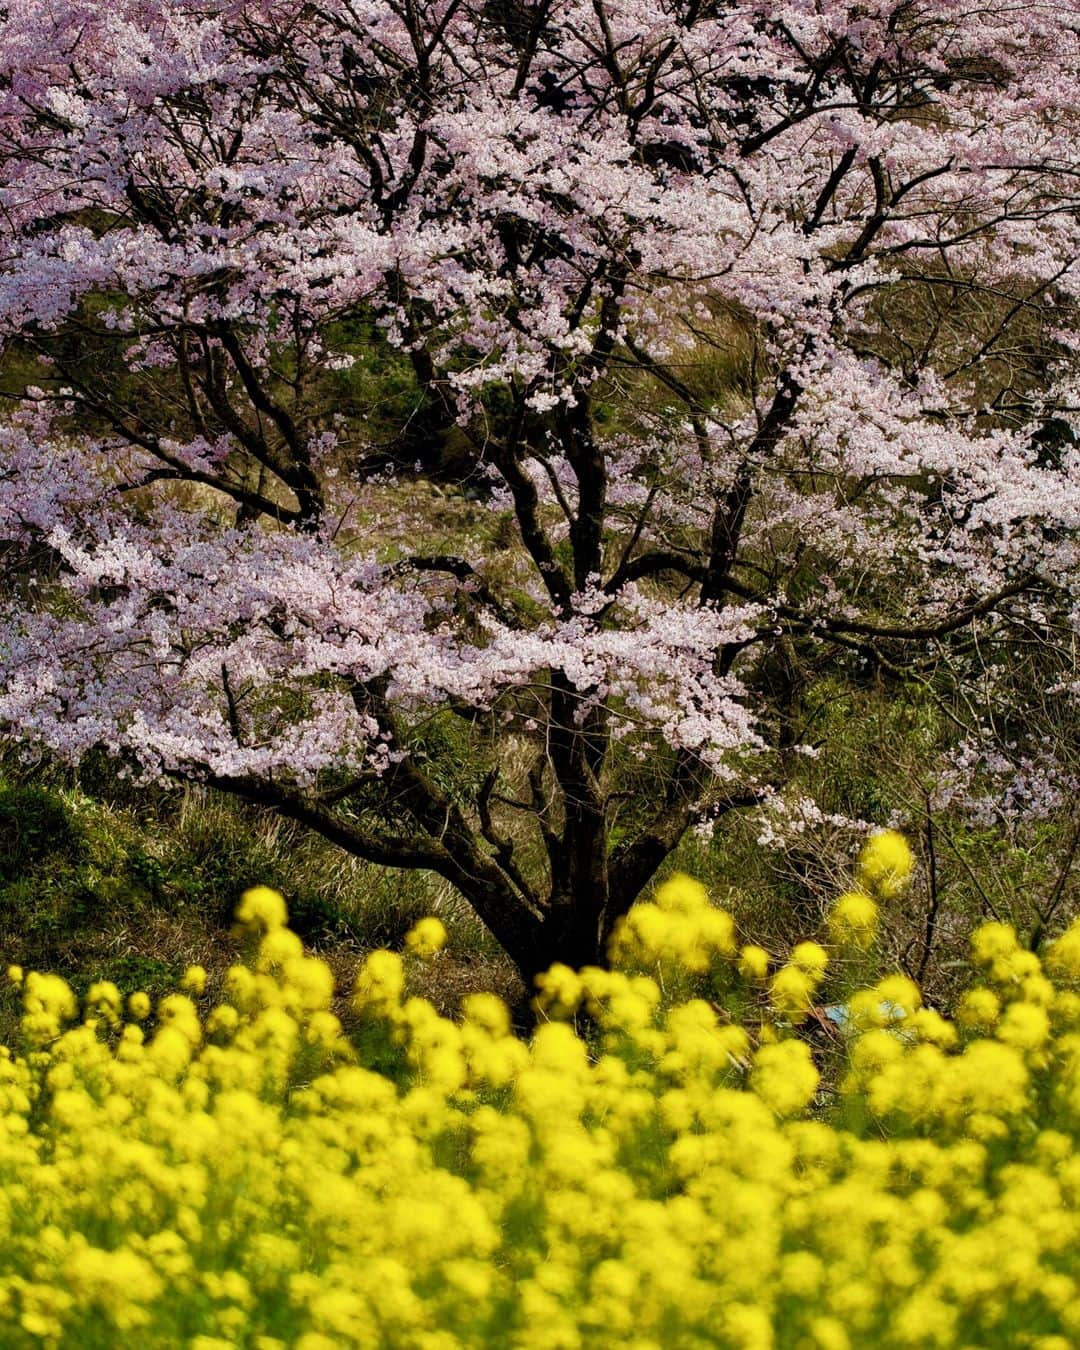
<point>744,334</point>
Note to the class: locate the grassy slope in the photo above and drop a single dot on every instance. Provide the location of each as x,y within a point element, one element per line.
<point>136,888</point>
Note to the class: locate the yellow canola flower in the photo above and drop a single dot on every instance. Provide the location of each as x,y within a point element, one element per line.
<point>139,1005</point>
<point>426,938</point>
<point>853,920</point>
<point>681,894</point>
<point>791,992</point>
<point>380,982</point>
<point>1065,1009</point>
<point>784,1076</point>
<point>308,985</point>
<point>753,962</point>
<point>194,981</point>
<point>978,1009</point>
<point>993,942</point>
<point>665,1171</point>
<point>223,1020</point>
<point>178,1011</point>
<point>902,993</point>
<point>928,1025</point>
<point>488,1012</point>
<point>277,947</point>
<point>106,1000</point>
<point>811,958</point>
<point>1063,955</point>
<point>241,987</point>
<point>261,908</point>
<point>49,994</point>
<point>885,864</point>
<point>1025,1026</point>
<point>1016,971</point>
<point>561,991</point>
<point>119,1282</point>
<point>680,929</point>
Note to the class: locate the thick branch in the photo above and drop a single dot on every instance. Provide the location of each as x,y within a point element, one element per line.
<point>386,850</point>
<point>633,864</point>
<point>731,510</point>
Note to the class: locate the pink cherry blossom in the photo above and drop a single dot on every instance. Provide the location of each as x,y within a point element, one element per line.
<point>746,334</point>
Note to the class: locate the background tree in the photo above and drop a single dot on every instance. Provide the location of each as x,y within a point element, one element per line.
<point>749,329</point>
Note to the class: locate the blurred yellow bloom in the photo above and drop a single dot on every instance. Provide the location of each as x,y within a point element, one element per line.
<point>1063,955</point>
<point>380,982</point>
<point>753,962</point>
<point>899,992</point>
<point>1024,1025</point>
<point>680,929</point>
<point>194,981</point>
<point>105,999</point>
<point>487,1011</point>
<point>278,946</point>
<point>791,991</point>
<point>672,1169</point>
<point>241,987</point>
<point>811,958</point>
<point>49,994</point>
<point>560,991</point>
<point>262,909</point>
<point>681,893</point>
<point>784,1076</point>
<point>885,864</point>
<point>426,938</point>
<point>853,920</point>
<point>993,941</point>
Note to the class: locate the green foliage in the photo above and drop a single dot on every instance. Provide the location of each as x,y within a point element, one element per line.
<point>130,971</point>
<point>136,883</point>
<point>36,826</point>
<point>380,387</point>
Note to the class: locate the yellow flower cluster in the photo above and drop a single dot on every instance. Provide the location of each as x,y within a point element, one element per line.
<point>642,1169</point>
<point>884,870</point>
<point>853,920</point>
<point>886,864</point>
<point>679,929</point>
<point>794,985</point>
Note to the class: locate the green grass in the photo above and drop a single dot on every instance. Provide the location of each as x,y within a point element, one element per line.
<point>136,888</point>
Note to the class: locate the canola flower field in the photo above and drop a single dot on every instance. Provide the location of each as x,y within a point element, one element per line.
<point>672,1159</point>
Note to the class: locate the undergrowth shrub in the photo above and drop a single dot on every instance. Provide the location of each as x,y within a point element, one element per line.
<point>705,1145</point>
